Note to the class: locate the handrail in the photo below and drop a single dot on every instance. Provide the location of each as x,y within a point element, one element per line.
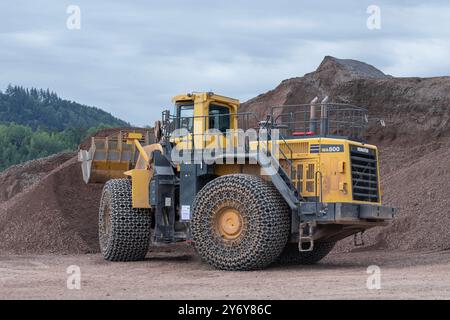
<point>350,106</point>
<point>289,160</point>
<point>342,119</point>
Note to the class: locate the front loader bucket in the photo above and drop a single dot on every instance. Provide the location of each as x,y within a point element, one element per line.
<point>109,157</point>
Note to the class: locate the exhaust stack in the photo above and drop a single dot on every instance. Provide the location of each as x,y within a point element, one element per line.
<point>313,116</point>
<point>324,117</point>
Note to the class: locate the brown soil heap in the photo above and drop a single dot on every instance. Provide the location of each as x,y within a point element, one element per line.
<point>19,177</point>
<point>46,207</point>
<point>55,213</point>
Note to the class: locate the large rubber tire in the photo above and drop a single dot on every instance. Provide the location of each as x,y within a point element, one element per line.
<point>292,256</point>
<point>265,220</point>
<point>124,232</point>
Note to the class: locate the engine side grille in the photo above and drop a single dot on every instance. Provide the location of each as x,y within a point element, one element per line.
<point>364,174</point>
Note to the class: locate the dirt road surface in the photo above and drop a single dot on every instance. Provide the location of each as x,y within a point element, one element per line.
<point>168,274</point>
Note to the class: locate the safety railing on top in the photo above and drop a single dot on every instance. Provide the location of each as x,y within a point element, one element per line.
<point>321,119</point>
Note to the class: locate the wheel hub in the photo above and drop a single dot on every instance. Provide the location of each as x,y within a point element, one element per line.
<point>229,223</point>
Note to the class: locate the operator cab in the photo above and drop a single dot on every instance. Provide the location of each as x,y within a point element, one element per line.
<point>207,109</point>
<point>203,113</point>
<point>218,116</point>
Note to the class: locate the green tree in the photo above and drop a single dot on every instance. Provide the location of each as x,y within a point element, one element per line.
<point>36,123</point>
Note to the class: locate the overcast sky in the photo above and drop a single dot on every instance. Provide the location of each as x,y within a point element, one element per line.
<point>130,57</point>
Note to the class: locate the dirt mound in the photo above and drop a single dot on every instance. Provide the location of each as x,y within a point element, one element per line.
<point>57,214</point>
<point>333,71</point>
<point>19,177</point>
<point>45,206</point>
<point>260,105</point>
<point>418,188</point>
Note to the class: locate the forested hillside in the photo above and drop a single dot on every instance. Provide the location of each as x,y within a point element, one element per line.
<point>44,109</point>
<point>36,123</point>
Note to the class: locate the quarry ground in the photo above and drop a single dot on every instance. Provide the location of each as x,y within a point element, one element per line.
<point>179,274</point>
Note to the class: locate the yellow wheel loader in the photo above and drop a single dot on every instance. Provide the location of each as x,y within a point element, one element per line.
<point>246,192</point>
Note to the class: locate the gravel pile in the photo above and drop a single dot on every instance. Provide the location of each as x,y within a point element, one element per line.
<point>54,213</point>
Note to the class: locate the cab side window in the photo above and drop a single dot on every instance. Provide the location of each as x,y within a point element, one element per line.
<point>186,117</point>
<point>219,118</point>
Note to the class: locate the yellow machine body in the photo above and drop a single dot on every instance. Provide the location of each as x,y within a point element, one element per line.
<point>142,173</point>
<point>246,191</point>
<point>321,166</point>
<point>325,175</point>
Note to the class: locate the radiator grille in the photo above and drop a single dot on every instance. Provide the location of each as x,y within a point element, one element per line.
<point>306,178</point>
<point>364,174</point>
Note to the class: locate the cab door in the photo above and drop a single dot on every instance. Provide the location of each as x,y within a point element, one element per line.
<point>220,120</point>
<point>184,122</point>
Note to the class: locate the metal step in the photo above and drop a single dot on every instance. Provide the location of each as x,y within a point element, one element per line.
<point>288,181</point>
<point>281,180</point>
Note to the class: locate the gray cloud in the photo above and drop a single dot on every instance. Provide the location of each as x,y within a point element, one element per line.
<point>131,57</point>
